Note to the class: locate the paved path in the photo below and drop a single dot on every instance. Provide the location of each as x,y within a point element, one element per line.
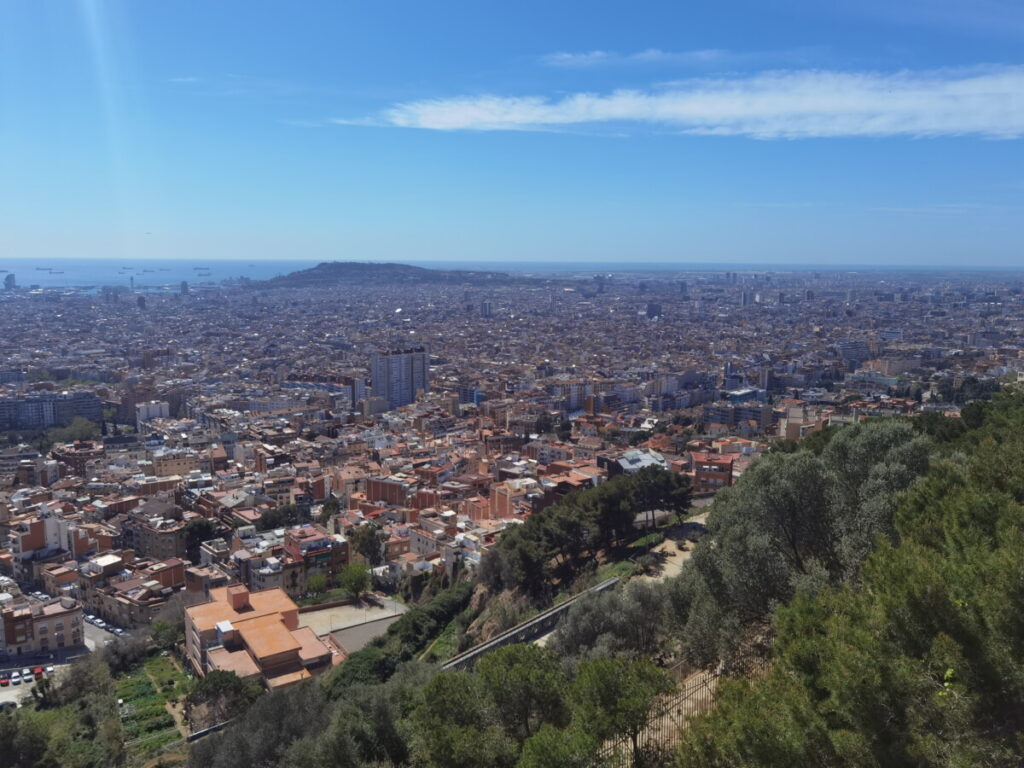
<point>357,637</point>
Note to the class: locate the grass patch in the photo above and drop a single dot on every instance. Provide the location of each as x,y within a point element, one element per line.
<point>624,569</point>
<point>649,541</point>
<point>443,648</point>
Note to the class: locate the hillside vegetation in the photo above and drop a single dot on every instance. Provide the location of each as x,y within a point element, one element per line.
<point>918,662</point>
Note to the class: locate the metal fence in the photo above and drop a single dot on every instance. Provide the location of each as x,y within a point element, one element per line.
<point>525,631</point>
<point>664,728</point>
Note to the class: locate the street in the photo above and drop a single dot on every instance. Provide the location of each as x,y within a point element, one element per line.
<point>95,637</point>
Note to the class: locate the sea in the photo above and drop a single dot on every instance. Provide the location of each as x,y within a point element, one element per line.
<point>168,274</point>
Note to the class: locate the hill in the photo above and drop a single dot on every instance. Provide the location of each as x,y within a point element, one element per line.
<point>368,273</point>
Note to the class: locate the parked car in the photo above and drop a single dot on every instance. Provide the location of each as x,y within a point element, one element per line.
<point>100,623</point>
<point>5,680</point>
<point>119,632</point>
<point>37,673</point>
<point>90,618</point>
<point>49,670</point>
<point>15,678</point>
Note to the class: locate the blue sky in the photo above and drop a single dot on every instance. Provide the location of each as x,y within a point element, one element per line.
<point>845,132</point>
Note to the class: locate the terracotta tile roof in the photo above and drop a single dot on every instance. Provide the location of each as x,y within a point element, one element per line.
<point>311,647</point>
<point>288,678</point>
<point>267,602</point>
<point>267,636</point>
<point>239,662</point>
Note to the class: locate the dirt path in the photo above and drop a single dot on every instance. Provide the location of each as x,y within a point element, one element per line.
<point>174,708</point>
<point>674,557</point>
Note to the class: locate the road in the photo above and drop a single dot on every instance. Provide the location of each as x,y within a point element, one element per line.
<point>96,637</point>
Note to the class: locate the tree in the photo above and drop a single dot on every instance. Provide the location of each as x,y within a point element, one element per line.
<point>264,733</point>
<point>456,727</point>
<point>525,559</point>
<point>79,429</point>
<point>166,634</point>
<point>614,697</point>
<point>316,583</point>
<point>23,742</point>
<point>330,507</point>
<point>355,579</point>
<point>629,621</point>
<point>528,688</point>
<point>224,696</point>
<point>552,747</point>
<point>279,517</point>
<point>198,530</point>
<point>614,509</point>
<point>917,662</point>
<point>368,540</point>
<point>657,489</point>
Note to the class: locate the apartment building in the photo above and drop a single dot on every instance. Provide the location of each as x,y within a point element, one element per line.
<point>256,635</point>
<point>31,627</point>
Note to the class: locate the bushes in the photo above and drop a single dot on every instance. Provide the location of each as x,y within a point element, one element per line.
<point>649,541</point>
<point>404,640</point>
<point>629,621</point>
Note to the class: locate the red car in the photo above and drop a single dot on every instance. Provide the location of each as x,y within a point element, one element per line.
<point>37,673</point>
<point>5,680</point>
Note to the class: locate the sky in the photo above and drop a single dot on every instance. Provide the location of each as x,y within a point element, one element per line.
<point>849,132</point>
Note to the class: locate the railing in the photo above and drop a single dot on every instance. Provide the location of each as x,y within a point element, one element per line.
<point>524,631</point>
<point>668,718</point>
<point>665,725</point>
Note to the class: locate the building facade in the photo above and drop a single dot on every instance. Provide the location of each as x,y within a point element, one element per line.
<point>398,375</point>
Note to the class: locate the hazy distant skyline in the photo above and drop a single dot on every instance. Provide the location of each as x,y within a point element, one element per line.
<point>841,133</point>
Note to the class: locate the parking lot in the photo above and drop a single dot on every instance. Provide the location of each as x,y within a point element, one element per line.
<point>14,693</point>
<point>95,637</point>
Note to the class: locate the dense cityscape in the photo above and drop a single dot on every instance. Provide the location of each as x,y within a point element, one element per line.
<point>283,470</point>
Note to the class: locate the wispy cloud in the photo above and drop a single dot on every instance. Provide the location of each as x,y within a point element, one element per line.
<point>702,57</point>
<point>183,79</point>
<point>795,104</point>
<point>649,56</point>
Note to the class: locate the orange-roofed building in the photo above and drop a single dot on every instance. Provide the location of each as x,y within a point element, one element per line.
<point>256,635</point>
